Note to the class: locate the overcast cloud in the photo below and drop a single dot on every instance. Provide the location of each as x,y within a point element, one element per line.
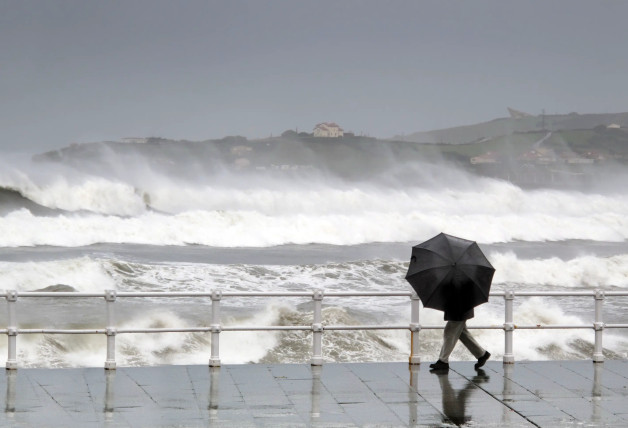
<point>77,71</point>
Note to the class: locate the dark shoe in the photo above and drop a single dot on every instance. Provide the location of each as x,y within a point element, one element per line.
<point>480,376</point>
<point>439,365</point>
<point>482,360</point>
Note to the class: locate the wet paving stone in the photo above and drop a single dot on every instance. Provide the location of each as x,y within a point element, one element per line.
<point>542,394</point>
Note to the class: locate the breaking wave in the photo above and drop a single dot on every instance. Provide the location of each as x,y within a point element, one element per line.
<point>131,200</point>
<point>107,198</point>
<point>94,274</point>
<point>239,218</point>
<point>296,346</point>
<point>91,274</point>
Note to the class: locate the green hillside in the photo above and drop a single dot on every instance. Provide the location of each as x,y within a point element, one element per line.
<point>508,126</point>
<point>538,157</point>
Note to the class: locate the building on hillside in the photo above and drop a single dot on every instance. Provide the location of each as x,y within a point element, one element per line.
<point>539,156</point>
<point>240,150</point>
<point>546,156</point>
<point>571,158</point>
<point>134,140</point>
<point>486,158</point>
<point>613,126</point>
<point>328,130</point>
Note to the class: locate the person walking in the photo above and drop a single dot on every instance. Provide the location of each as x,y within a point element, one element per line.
<point>452,275</point>
<point>456,329</point>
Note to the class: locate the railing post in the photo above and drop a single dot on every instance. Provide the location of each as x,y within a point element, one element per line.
<point>509,327</point>
<point>315,412</point>
<point>109,395</point>
<point>214,360</point>
<point>415,328</point>
<point>110,298</point>
<point>9,407</point>
<point>214,393</point>
<point>11,297</point>
<point>317,329</point>
<point>598,326</point>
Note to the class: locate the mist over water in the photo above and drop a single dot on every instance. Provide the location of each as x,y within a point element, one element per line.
<point>124,220</point>
<point>129,200</point>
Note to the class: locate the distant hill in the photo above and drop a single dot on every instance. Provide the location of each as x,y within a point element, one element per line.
<point>555,150</point>
<point>349,156</point>
<point>508,126</point>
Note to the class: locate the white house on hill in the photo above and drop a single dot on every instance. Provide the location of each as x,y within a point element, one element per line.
<point>134,140</point>
<point>328,130</point>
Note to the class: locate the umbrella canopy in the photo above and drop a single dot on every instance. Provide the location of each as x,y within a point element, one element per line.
<point>450,274</point>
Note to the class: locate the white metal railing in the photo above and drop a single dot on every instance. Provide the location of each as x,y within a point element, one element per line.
<point>317,327</point>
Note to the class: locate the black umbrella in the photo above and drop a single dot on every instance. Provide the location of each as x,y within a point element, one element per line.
<point>450,274</point>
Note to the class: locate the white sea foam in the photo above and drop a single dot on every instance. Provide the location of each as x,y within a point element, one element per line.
<point>144,207</point>
<point>142,349</point>
<point>291,347</point>
<point>83,274</point>
<point>88,274</point>
<point>586,271</point>
<point>258,211</point>
<point>95,194</point>
<point>333,224</point>
<point>96,274</point>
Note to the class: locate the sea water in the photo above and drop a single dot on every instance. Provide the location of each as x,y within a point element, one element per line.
<point>129,226</point>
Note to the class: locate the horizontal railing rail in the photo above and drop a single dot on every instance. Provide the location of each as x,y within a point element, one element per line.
<point>317,327</point>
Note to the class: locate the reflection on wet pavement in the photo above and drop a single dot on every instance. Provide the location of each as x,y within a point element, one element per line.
<point>551,393</point>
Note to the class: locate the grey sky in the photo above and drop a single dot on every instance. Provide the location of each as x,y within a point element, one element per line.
<point>76,71</point>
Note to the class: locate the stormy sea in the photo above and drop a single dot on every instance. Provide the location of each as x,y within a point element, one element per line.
<point>156,218</point>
